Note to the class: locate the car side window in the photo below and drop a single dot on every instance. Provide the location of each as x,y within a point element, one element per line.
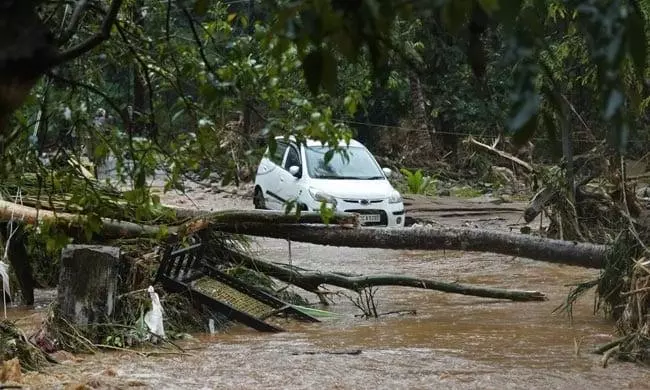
<point>278,156</point>
<point>293,158</point>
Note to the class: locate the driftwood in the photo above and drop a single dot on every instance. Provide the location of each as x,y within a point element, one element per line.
<point>501,154</point>
<point>473,240</point>
<point>311,280</point>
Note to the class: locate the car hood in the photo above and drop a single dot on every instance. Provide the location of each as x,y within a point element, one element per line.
<point>354,189</point>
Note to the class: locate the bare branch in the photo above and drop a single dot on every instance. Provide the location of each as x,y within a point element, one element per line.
<point>89,44</point>
<point>74,21</point>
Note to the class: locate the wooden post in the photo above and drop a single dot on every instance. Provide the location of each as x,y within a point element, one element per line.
<point>88,283</point>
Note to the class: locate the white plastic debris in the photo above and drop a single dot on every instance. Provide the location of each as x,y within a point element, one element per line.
<point>6,289</point>
<point>154,317</point>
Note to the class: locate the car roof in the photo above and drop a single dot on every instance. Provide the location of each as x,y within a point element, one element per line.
<point>312,142</point>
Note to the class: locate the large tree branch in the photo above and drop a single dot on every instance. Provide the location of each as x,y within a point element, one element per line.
<point>89,44</point>
<point>310,280</point>
<point>473,240</point>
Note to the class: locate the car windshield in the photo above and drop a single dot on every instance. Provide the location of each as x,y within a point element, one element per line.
<point>357,163</point>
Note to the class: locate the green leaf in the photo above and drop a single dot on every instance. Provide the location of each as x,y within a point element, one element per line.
<point>326,213</point>
<point>101,151</point>
<point>328,156</point>
<point>163,232</point>
<point>289,205</point>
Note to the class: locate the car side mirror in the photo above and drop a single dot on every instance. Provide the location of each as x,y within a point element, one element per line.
<point>387,171</point>
<point>294,170</point>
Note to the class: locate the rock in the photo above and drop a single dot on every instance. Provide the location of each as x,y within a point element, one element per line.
<point>88,283</point>
<point>445,192</point>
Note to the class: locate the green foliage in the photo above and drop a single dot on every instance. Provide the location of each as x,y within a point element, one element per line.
<point>417,183</point>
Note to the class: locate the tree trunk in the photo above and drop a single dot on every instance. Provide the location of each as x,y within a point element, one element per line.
<point>232,219</point>
<point>310,280</point>
<point>88,283</point>
<point>279,225</point>
<point>473,240</point>
<point>19,260</point>
<point>73,223</point>
<point>420,110</point>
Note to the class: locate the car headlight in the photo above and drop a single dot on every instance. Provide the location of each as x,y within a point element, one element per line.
<point>395,197</point>
<point>320,196</point>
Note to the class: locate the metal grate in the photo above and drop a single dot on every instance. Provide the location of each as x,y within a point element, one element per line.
<point>235,298</point>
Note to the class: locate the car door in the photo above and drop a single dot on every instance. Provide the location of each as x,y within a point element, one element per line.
<point>289,185</point>
<point>268,175</point>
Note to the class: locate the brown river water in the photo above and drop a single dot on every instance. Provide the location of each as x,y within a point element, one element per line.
<point>452,342</point>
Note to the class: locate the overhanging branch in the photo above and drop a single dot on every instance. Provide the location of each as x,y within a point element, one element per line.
<point>89,44</point>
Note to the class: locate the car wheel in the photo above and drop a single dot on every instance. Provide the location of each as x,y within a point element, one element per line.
<point>258,199</point>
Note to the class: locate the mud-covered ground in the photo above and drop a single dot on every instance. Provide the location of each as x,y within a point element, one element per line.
<point>451,342</point>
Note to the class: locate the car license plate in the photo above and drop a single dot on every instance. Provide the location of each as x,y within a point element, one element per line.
<point>369,218</point>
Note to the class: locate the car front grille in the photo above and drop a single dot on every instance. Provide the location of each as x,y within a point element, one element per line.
<point>363,201</point>
<point>383,217</point>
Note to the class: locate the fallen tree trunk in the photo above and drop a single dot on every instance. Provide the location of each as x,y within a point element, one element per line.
<point>123,229</point>
<point>74,222</point>
<point>473,240</point>
<point>270,218</point>
<point>280,225</point>
<point>310,280</point>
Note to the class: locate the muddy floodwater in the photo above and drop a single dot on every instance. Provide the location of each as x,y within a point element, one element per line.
<point>452,342</point>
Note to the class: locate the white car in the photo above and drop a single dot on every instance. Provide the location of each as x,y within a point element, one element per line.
<point>356,184</point>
